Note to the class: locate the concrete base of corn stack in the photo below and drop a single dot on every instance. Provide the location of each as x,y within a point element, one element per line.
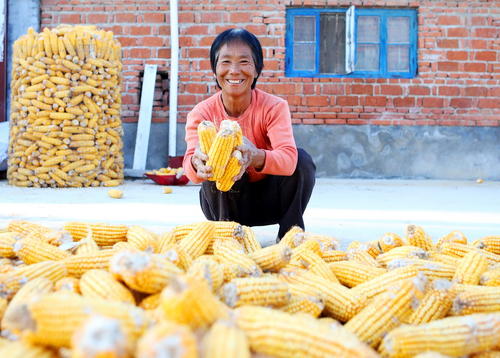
<point>346,209</point>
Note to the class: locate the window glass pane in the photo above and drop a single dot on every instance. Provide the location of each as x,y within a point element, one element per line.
<point>398,59</point>
<point>332,43</point>
<point>398,29</point>
<point>367,58</point>
<point>304,55</point>
<point>304,28</point>
<point>368,29</point>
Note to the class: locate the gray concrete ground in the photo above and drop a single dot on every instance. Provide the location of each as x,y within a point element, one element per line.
<point>346,209</point>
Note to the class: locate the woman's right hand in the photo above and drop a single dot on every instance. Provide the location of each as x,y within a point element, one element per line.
<point>199,160</point>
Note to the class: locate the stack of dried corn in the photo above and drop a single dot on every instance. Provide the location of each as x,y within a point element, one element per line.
<point>65,126</point>
<point>210,290</point>
<point>220,148</point>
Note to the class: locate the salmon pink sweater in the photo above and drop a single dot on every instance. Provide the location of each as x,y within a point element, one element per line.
<point>266,123</point>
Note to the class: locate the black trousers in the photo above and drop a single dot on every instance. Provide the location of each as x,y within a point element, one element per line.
<point>274,200</point>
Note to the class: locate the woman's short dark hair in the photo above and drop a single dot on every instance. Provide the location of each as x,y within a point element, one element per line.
<point>238,35</point>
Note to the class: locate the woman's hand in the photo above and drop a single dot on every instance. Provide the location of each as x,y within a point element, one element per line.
<point>251,157</point>
<point>199,160</point>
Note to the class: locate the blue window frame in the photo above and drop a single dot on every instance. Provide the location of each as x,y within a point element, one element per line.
<point>368,43</point>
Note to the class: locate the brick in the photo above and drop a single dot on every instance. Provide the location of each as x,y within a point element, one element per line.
<point>319,101</point>
<point>447,43</point>
<point>391,90</point>
<point>196,88</point>
<point>458,32</point>
<point>485,56</point>
<point>461,102</point>
<point>140,52</point>
<point>479,21</point>
<point>328,88</point>
<point>195,30</point>
<point>127,41</point>
<point>376,101</point>
<point>125,17</point>
<point>449,91</point>
<point>488,32</point>
<point>196,52</point>
<point>153,17</point>
<point>476,91</point>
<point>362,89</point>
<point>419,90</point>
<point>479,44</point>
<point>456,55</point>
<point>97,18</point>
<point>404,102</point>
<point>140,30</point>
<point>489,103</point>
<point>240,17</point>
<point>347,101</point>
<point>70,18</point>
<point>449,20</point>
<point>164,53</point>
<point>474,67</point>
<point>150,41</point>
<point>447,66</point>
<point>313,121</point>
<point>433,102</point>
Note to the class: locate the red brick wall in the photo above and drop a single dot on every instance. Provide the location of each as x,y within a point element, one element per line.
<point>458,59</point>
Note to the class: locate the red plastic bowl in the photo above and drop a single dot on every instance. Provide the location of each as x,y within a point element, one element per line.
<point>168,179</point>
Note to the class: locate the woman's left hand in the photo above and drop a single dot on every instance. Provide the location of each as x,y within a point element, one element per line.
<point>251,157</point>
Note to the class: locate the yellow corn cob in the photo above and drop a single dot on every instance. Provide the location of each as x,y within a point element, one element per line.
<point>387,311</point>
<point>446,259</point>
<point>70,284</point>
<point>314,263</point>
<point>165,241</point>
<point>272,258</point>
<point>454,236</point>
<point>196,242</point>
<point>431,354</point>
<point>224,340</point>
<point>333,256</point>
<point>225,182</point>
<point>188,300</point>
<point>340,302</point>
<point>470,268</point>
<point>262,291</point>
<point>352,273</point>
<point>30,292</point>
<point>310,305</point>
<point>402,252</point>
<point>371,248</point>
<point>237,262</point>
<point>248,239</point>
<point>389,241</point>
<point>476,299</point>
<point>77,265</point>
<point>220,152</point>
<point>454,336</point>
<point>102,284</point>
<point>100,337</point>
<point>306,246</point>
<point>379,284</point>
<point>24,228</point>
<point>293,237</point>
<point>103,234</point>
<point>12,281</point>
<point>87,245</point>
<point>206,135</point>
<point>435,304</point>
<point>495,353</point>
<point>279,334</point>
<point>206,268</point>
<point>432,269</point>
<point>142,239</point>
<point>488,243</point>
<point>363,257</point>
<point>54,318</point>
<point>151,302</point>
<point>7,241</point>
<point>148,273</point>
<point>20,349</point>
<point>178,256</point>
<point>416,236</point>
<point>32,250</point>
<point>490,277</point>
<point>176,339</point>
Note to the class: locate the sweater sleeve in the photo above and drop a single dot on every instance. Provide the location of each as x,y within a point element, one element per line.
<point>282,158</point>
<point>193,119</point>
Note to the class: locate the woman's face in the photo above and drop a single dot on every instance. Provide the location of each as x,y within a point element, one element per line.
<point>235,69</point>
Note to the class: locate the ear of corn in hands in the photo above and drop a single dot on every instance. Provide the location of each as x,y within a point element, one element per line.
<point>65,116</point>
<point>220,149</point>
<point>191,288</point>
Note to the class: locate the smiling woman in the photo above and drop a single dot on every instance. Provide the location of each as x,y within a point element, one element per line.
<point>276,179</point>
